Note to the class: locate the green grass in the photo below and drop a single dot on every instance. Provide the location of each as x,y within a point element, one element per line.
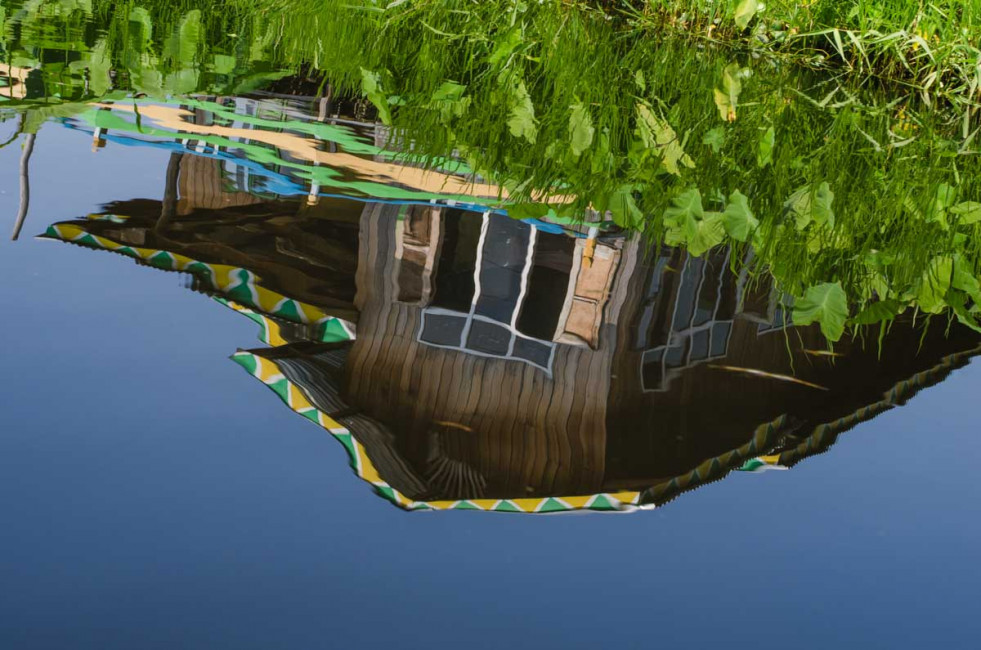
<point>931,47</point>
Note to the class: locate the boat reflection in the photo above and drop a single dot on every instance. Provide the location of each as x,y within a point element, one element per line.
<point>470,361</point>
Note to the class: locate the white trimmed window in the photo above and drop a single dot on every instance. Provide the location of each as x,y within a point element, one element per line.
<point>497,288</point>
<point>700,329</point>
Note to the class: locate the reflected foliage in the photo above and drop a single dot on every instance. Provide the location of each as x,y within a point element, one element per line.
<point>78,50</point>
<point>842,184</point>
<point>830,179</point>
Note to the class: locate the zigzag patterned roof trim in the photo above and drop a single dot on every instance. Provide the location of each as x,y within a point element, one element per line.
<point>233,283</point>
<point>826,434</point>
<point>821,438</point>
<point>269,373</point>
<point>718,467</point>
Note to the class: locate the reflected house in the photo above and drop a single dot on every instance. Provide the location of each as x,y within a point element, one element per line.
<point>475,361</point>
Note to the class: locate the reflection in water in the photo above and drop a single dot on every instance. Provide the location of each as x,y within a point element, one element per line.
<point>273,146</point>
<point>470,361</point>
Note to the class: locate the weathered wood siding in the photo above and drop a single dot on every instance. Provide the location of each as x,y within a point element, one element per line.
<point>522,430</point>
<point>201,186</point>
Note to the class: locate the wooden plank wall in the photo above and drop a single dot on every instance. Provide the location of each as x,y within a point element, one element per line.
<point>201,186</point>
<point>526,433</point>
<point>709,409</point>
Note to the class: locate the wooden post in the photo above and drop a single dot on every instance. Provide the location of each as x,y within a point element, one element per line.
<point>169,206</point>
<point>25,185</point>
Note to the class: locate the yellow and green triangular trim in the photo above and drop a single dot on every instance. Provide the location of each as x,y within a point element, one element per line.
<point>269,373</point>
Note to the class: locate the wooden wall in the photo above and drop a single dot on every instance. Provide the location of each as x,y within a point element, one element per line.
<point>711,408</point>
<point>200,185</point>
<point>522,431</point>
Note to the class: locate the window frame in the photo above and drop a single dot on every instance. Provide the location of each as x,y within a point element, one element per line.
<point>685,336</point>
<point>471,316</point>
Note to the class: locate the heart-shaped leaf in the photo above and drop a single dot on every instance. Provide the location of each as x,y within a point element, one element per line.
<point>812,205</point>
<point>825,304</point>
<point>739,219</point>
<point>656,133</point>
<point>522,119</point>
<point>968,211</point>
<point>745,12</point>
<point>623,207</point>
<point>686,205</point>
<point>714,139</point>
<point>371,84</point>
<point>878,312</point>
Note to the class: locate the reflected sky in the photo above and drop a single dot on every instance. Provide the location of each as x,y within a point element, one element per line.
<point>156,498</point>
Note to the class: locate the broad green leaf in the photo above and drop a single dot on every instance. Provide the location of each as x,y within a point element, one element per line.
<point>370,81</point>
<point>580,129</point>
<point>686,205</point>
<point>825,304</point>
<point>681,233</point>
<point>877,286</point>
<point>879,312</point>
<point>182,82</point>
<point>449,91</point>
<point>522,117</point>
<point>99,66</point>
<point>968,211</point>
<point>527,210</point>
<point>709,233</point>
<point>815,206</point>
<point>946,196</point>
<point>715,138</point>
<point>140,28</point>
<point>821,207</point>
<point>963,279</point>
<point>372,86</point>
<point>505,46</point>
<point>745,11</point>
<point>688,224</point>
<point>601,160</point>
<point>656,133</point>
<point>189,35</point>
<point>764,152</point>
<point>623,207</point>
<point>223,64</point>
<point>150,82</point>
<point>739,219</point>
<point>727,96</point>
<point>254,81</point>
<point>449,100</point>
<point>958,303</point>
<point>932,288</point>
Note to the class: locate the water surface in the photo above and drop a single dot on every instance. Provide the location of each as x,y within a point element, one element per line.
<point>211,291</point>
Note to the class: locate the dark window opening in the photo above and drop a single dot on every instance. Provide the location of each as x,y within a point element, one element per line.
<point>454,285</point>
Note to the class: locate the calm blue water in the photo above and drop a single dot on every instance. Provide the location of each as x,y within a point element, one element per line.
<point>153,495</point>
